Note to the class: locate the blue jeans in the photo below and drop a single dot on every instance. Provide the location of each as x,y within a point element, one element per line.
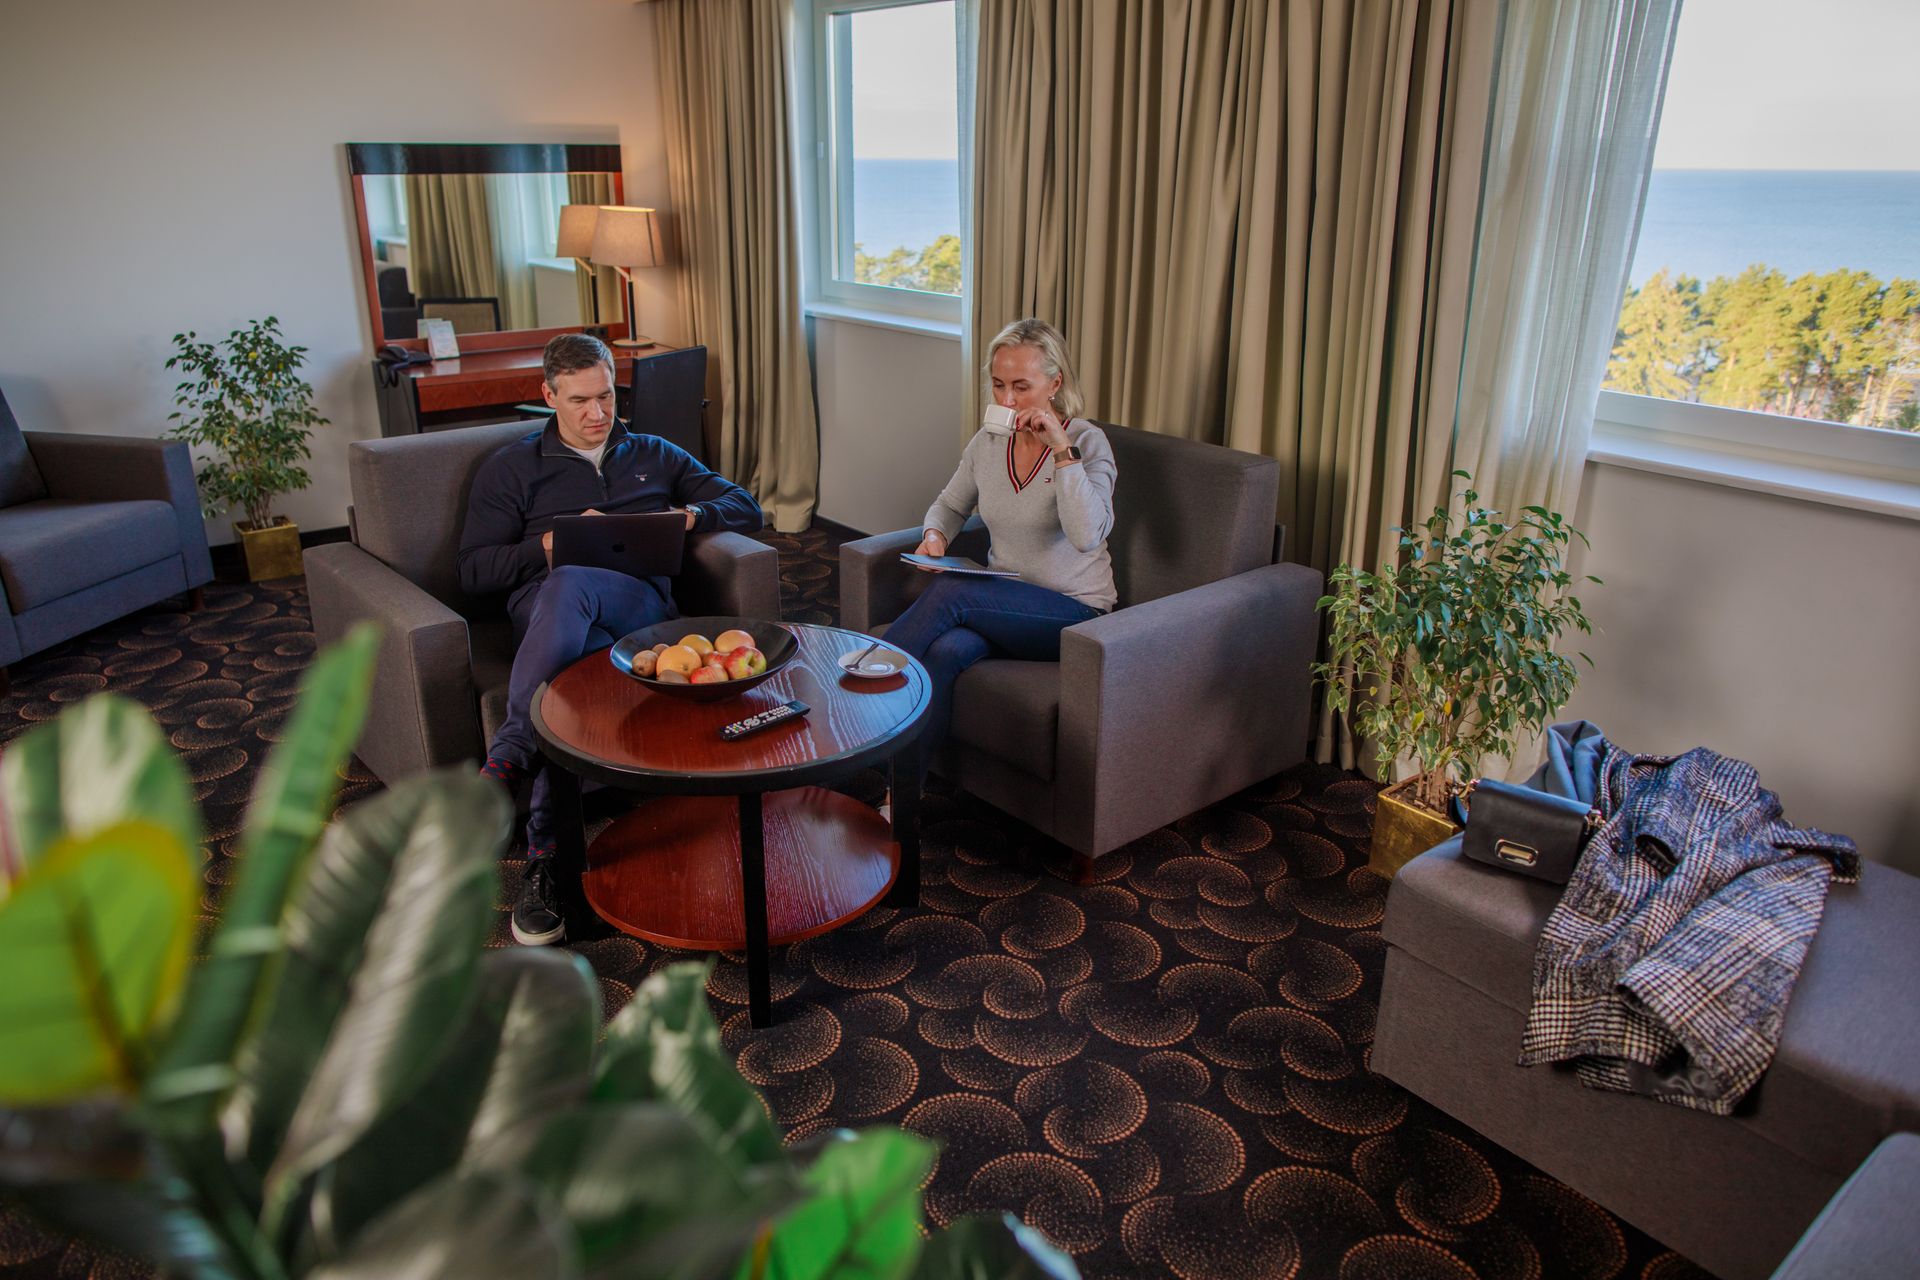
<point>961,619</point>
<point>575,611</point>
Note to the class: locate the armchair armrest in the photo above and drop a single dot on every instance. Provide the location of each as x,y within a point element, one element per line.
<point>424,711</point>
<point>731,574</point>
<point>1170,705</point>
<point>875,587</point>
<point>99,468</point>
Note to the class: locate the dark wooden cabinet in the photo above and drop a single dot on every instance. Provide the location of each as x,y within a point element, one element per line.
<point>480,386</point>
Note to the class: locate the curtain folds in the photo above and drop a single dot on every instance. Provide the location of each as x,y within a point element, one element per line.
<point>450,234</point>
<point>724,87</point>
<point>599,287</point>
<point>1254,222</point>
<point>1575,113</point>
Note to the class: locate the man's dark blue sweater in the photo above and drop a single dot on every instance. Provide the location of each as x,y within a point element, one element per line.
<point>519,492</point>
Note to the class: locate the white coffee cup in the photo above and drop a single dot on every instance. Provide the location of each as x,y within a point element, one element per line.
<point>997,420</point>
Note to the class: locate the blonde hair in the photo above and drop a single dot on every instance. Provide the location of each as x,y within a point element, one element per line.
<point>1045,339</point>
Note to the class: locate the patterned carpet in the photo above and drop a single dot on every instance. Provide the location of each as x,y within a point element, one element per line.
<point>1166,1070</point>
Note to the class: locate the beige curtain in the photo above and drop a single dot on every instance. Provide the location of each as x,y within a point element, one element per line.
<point>450,236</point>
<point>599,286</point>
<point>1253,219</point>
<point>723,81</point>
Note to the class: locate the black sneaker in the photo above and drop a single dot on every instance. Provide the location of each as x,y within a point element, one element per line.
<point>538,919</point>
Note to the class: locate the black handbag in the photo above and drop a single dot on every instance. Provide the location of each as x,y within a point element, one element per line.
<point>1530,832</point>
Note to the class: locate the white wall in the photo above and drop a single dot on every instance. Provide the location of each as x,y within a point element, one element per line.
<point>180,166</point>
<point>1776,630</point>
<point>889,404</point>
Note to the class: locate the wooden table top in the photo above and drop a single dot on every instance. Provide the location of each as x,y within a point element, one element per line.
<point>605,725</point>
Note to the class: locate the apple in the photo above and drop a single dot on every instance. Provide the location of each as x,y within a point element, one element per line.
<point>728,641</point>
<point>707,675</point>
<point>716,660</point>
<point>746,661</point>
<point>699,644</point>
<point>678,658</point>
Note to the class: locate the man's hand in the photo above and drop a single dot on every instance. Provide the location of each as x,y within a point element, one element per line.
<point>546,539</point>
<point>932,543</point>
<point>691,517</point>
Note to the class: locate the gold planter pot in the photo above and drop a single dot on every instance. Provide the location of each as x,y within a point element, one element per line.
<point>1402,830</point>
<point>272,551</point>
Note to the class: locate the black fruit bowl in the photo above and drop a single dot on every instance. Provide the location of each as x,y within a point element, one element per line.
<point>770,638</point>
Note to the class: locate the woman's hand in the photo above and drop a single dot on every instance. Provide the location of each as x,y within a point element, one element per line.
<point>932,543</point>
<point>1043,423</point>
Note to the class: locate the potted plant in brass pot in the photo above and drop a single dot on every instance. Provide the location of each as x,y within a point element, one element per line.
<point>1448,655</point>
<point>244,400</point>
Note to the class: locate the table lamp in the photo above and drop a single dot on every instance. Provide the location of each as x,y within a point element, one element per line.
<point>576,242</point>
<point>625,238</point>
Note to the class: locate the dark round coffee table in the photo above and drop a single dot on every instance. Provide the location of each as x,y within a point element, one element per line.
<point>708,864</point>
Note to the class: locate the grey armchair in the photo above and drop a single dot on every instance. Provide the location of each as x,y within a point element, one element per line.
<point>440,685</point>
<point>91,528</point>
<point>1196,686</point>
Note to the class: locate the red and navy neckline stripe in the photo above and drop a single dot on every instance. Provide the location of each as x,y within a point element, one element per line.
<point>1013,472</point>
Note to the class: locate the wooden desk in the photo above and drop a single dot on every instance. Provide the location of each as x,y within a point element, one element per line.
<point>480,386</point>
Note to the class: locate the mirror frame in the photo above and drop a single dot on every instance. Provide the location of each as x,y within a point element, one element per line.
<point>364,158</point>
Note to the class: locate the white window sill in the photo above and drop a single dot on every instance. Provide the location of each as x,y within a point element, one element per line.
<point>1837,465</point>
<point>884,320</point>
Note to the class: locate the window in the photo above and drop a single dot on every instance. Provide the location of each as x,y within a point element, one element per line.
<point>884,123</point>
<point>1778,265</point>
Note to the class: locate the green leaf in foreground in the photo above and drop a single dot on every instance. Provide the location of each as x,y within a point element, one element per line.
<point>464,1226</point>
<point>96,938</point>
<point>863,1220</point>
<point>98,764</point>
<point>383,945</point>
<point>664,1045</point>
<point>978,1247</point>
<point>289,810</point>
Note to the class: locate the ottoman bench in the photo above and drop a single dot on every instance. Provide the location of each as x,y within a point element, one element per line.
<point>1732,1193</point>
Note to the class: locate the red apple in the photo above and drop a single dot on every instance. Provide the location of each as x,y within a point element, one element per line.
<point>740,664</point>
<point>756,661</point>
<point>707,675</point>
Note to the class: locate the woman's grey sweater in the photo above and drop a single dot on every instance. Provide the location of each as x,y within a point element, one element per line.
<point>1051,525</point>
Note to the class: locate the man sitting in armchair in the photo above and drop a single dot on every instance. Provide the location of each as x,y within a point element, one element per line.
<point>586,462</point>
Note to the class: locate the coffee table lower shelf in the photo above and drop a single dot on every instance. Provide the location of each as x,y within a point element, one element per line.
<point>670,870</point>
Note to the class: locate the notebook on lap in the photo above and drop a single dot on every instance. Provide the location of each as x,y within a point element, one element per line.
<point>648,546</point>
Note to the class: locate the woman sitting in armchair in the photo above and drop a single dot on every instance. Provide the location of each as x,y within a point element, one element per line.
<point>1045,493</point>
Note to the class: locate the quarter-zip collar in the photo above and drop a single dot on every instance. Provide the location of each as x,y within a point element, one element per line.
<point>552,446</point>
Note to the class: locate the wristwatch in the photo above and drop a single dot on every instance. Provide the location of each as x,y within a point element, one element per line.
<point>1063,456</point>
<point>693,509</point>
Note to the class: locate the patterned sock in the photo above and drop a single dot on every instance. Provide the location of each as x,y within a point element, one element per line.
<point>505,772</point>
<point>536,851</point>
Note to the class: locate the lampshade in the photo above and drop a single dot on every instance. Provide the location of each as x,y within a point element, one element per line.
<point>627,237</point>
<point>576,230</point>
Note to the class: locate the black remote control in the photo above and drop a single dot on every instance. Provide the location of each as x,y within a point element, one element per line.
<point>765,720</point>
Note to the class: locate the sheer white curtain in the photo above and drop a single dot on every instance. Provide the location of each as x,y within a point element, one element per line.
<point>1576,107</point>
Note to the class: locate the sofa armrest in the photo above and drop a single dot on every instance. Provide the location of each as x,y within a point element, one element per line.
<point>98,468</point>
<point>1170,705</point>
<point>1868,1228</point>
<point>424,712</point>
<point>876,588</point>
<point>729,574</point>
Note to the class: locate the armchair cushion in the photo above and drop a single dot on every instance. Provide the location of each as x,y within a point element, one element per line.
<point>1186,514</point>
<point>19,478</point>
<point>101,468</point>
<point>1010,710</point>
<point>57,546</point>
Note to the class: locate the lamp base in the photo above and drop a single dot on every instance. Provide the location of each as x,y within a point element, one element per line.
<point>631,343</point>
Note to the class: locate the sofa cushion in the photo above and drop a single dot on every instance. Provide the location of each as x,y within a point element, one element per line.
<point>1186,513</point>
<point>1847,1071</point>
<point>1010,710</point>
<point>57,546</point>
<point>20,479</point>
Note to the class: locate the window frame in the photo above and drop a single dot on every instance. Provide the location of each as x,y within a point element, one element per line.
<point>823,136</point>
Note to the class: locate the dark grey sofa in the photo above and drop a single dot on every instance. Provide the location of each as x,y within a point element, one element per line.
<point>1732,1193</point>
<point>1196,687</point>
<point>91,528</point>
<point>440,685</point>
<point>1869,1227</point>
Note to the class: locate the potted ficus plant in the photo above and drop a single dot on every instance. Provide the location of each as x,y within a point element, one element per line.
<point>244,401</point>
<point>1446,656</point>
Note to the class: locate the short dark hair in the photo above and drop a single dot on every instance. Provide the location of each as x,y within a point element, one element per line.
<point>572,352</point>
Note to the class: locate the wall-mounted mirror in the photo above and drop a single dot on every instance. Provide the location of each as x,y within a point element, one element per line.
<point>468,233</point>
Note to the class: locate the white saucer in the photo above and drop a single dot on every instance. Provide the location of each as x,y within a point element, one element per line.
<point>880,664</point>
